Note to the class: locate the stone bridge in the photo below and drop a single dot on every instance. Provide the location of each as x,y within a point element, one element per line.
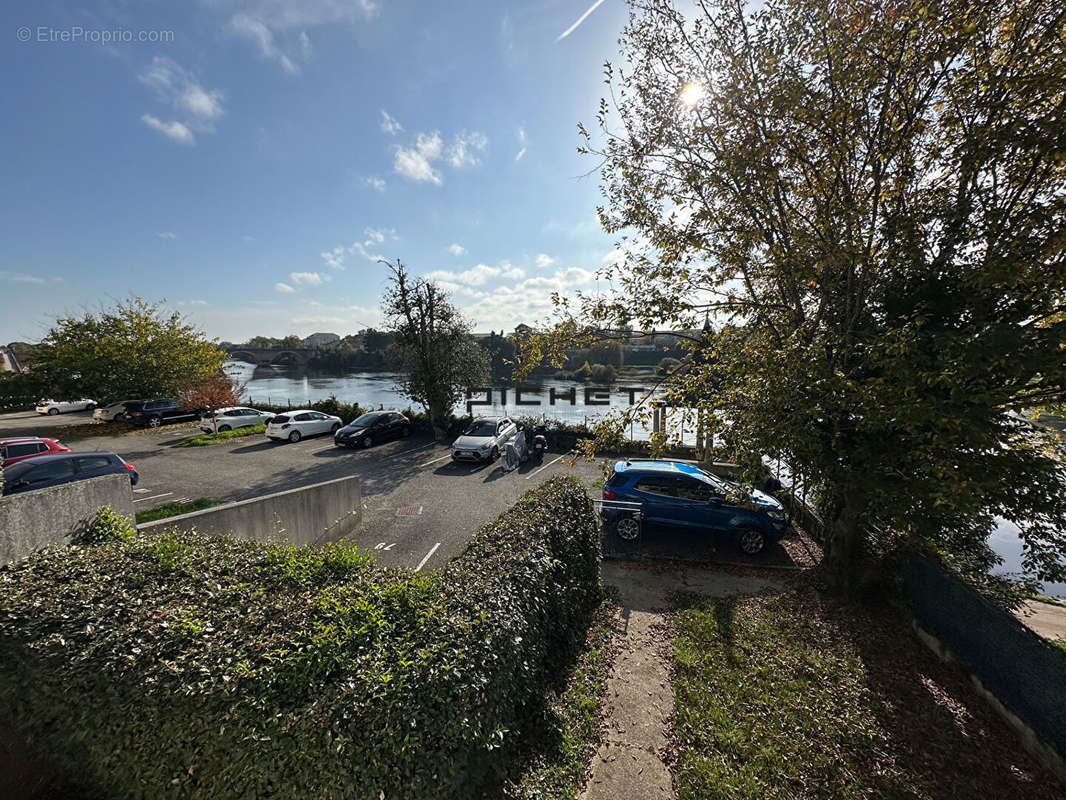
<point>261,357</point>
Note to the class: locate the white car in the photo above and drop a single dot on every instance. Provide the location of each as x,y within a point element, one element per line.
<point>53,407</point>
<point>484,439</point>
<point>113,412</point>
<point>295,425</point>
<point>233,417</point>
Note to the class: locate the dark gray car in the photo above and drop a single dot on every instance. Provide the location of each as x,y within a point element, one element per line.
<point>44,471</point>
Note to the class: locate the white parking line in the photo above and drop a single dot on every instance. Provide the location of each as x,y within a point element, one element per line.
<point>530,475</point>
<point>324,449</point>
<point>410,450</point>
<point>155,497</point>
<point>434,461</point>
<point>422,563</point>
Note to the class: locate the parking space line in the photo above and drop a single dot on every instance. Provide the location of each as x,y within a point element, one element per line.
<point>422,563</point>
<point>434,461</point>
<point>325,449</point>
<point>530,475</point>
<point>155,497</point>
<point>411,450</point>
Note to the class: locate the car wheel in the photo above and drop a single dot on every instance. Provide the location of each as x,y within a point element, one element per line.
<point>368,441</point>
<point>495,453</point>
<point>224,428</point>
<point>627,527</point>
<point>336,427</point>
<point>295,436</point>
<point>53,411</point>
<point>751,542</point>
<point>154,422</point>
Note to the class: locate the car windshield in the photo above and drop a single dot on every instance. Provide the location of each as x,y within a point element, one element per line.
<point>367,419</point>
<point>481,427</point>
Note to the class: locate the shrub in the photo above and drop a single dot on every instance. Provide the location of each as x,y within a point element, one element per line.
<point>331,405</point>
<point>198,667</point>
<point>106,526</point>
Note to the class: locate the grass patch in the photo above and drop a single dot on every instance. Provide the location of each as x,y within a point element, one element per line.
<point>1059,643</point>
<point>175,509</point>
<point>205,439</point>
<point>1051,601</point>
<point>794,696</point>
<point>556,762</point>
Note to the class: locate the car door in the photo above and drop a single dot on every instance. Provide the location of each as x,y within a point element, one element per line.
<point>51,473</point>
<point>701,505</point>
<point>304,423</point>
<point>395,426</point>
<point>92,466</point>
<point>245,417</point>
<point>659,497</point>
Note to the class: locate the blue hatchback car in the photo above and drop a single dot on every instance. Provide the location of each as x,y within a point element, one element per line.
<point>681,494</point>
<point>43,471</point>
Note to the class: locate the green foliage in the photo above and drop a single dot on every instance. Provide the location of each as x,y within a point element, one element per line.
<point>331,405</point>
<point>180,665</point>
<point>176,509</point>
<point>555,760</point>
<point>21,391</point>
<point>204,439</point>
<point>135,349</point>
<point>431,346</point>
<point>869,205</point>
<point>107,525</point>
<point>792,696</point>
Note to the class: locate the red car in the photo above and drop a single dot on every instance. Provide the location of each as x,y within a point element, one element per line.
<point>14,450</point>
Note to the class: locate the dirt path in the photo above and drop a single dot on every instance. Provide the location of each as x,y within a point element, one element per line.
<point>640,697</point>
<point>1046,619</point>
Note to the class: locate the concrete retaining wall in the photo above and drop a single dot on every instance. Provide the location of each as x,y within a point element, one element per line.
<point>323,512</point>
<point>1023,676</point>
<point>32,520</point>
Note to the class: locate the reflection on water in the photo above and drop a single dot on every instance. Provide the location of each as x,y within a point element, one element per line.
<point>1005,541</point>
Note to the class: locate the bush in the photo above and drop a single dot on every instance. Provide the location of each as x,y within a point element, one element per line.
<point>107,526</point>
<point>331,405</point>
<point>197,667</point>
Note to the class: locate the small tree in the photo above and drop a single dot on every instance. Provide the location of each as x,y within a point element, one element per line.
<point>215,391</point>
<point>135,349</point>
<point>431,346</point>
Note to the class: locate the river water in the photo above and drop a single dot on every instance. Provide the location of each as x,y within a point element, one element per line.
<point>297,387</point>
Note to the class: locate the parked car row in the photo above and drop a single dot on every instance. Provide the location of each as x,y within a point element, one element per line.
<point>53,407</point>
<point>31,462</point>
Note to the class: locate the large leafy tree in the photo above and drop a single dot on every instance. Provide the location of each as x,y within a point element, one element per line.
<point>134,349</point>
<point>868,198</point>
<point>431,345</point>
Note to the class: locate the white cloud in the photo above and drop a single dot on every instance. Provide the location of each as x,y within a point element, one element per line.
<point>377,184</point>
<point>373,236</point>
<point>461,152</point>
<point>257,31</point>
<point>284,288</point>
<point>167,235</point>
<point>580,19</point>
<point>334,258</point>
<point>521,144</point>
<point>22,277</point>
<point>172,130</point>
<point>544,260</point>
<point>415,163</point>
<point>305,46</point>
<point>478,275</point>
<point>527,301</point>
<point>247,238</point>
<point>389,124</point>
<point>180,89</point>
<point>618,254</point>
<point>457,250</point>
<point>192,303</point>
<point>308,278</point>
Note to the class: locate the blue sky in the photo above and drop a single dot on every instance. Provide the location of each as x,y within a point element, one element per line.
<point>250,169</point>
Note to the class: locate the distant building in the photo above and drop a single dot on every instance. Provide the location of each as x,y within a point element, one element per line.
<point>321,341</point>
<point>354,340</point>
<point>521,330</point>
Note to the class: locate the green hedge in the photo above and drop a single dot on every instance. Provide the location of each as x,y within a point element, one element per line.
<point>195,667</point>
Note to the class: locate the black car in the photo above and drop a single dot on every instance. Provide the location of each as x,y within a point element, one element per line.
<point>374,426</point>
<point>44,471</point>
<point>153,413</point>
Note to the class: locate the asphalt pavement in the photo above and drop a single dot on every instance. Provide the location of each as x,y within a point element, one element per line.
<point>419,508</point>
<point>30,423</point>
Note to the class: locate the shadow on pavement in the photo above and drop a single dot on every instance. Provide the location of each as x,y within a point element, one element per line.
<point>661,542</point>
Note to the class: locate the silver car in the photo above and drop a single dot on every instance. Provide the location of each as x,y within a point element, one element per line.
<point>232,417</point>
<point>484,439</point>
<point>114,412</point>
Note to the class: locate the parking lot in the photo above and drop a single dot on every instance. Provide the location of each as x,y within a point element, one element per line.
<point>418,507</point>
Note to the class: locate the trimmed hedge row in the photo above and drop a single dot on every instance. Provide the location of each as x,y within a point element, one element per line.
<point>197,667</point>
